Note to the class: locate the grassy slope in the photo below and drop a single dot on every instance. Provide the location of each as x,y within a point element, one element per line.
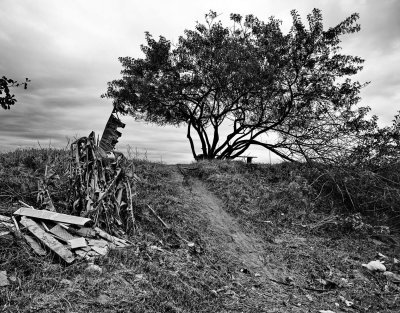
<point>304,243</point>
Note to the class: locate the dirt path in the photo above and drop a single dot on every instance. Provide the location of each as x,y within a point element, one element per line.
<point>242,246</point>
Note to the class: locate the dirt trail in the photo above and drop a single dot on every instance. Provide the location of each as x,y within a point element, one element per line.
<point>243,247</point>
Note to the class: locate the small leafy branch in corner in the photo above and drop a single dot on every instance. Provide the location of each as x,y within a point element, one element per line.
<point>6,98</point>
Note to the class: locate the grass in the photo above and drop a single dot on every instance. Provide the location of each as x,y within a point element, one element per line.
<point>312,242</point>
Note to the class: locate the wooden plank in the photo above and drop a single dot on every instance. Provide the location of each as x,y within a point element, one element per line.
<point>54,216</point>
<point>3,279</point>
<point>104,235</point>
<point>81,253</point>
<point>99,243</point>
<point>86,232</point>
<point>77,243</point>
<point>35,245</point>
<point>119,242</point>
<point>100,250</point>
<point>47,239</point>
<point>61,233</point>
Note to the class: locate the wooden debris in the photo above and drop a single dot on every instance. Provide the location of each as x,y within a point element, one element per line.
<point>62,233</point>
<point>119,242</point>
<point>53,216</point>
<point>100,250</point>
<point>35,245</point>
<point>3,279</point>
<point>85,232</point>
<point>77,243</point>
<point>104,235</point>
<point>98,243</point>
<point>86,254</point>
<point>99,186</point>
<point>17,230</point>
<point>47,239</point>
<point>159,218</point>
<point>110,135</point>
<point>24,204</point>
<point>44,226</point>
<point>81,253</point>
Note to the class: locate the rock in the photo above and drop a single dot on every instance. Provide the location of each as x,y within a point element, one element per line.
<point>375,266</point>
<point>93,269</point>
<point>103,299</point>
<point>395,278</point>
<point>381,256</point>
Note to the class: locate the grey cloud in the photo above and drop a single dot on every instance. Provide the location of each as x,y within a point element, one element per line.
<point>69,50</point>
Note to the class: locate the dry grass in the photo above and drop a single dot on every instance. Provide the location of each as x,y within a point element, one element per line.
<point>308,241</point>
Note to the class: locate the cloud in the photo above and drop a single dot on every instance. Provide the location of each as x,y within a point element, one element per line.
<point>70,50</point>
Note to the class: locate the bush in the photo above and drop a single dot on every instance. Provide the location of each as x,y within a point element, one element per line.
<point>374,192</point>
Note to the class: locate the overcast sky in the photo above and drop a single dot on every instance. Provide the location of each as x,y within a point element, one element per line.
<point>70,49</point>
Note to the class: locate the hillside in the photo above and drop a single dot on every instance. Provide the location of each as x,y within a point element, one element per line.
<point>226,237</point>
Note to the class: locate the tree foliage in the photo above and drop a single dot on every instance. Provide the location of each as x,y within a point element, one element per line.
<point>289,93</point>
<point>6,98</point>
<point>378,147</point>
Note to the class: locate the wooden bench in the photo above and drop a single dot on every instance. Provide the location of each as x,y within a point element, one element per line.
<point>249,159</point>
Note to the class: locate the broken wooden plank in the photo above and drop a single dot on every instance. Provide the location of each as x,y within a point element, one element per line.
<point>47,239</point>
<point>60,232</point>
<point>87,249</point>
<point>86,232</point>
<point>81,253</point>
<point>86,254</point>
<point>54,216</point>
<point>77,243</point>
<point>98,242</point>
<point>104,235</point>
<point>100,250</point>
<point>35,245</point>
<point>117,241</point>
<point>3,279</point>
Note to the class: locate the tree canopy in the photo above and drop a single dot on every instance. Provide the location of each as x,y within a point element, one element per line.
<point>289,93</point>
<point>6,98</point>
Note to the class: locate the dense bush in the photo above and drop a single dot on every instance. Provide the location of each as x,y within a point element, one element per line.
<point>373,192</point>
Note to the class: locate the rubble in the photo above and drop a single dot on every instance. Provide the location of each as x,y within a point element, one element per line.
<point>70,240</point>
<point>100,203</point>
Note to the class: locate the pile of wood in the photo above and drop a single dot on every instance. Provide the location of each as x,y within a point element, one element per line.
<point>101,183</point>
<point>69,237</point>
<point>100,198</point>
